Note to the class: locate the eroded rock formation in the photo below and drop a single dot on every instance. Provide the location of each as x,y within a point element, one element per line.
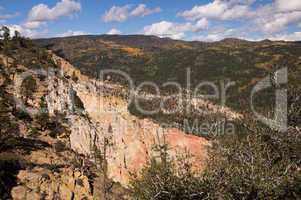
<point>106,118</point>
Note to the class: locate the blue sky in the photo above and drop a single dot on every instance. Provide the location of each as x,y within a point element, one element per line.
<point>208,20</point>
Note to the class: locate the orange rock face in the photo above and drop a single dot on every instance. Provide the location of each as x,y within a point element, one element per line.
<point>195,146</point>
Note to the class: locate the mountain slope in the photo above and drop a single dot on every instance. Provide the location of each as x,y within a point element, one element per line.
<point>149,58</point>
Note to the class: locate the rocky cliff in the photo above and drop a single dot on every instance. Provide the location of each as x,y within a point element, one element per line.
<point>35,159</point>
<point>106,121</point>
<point>83,126</point>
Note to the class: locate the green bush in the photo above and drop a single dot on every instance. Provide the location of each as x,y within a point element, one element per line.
<point>53,124</point>
<point>33,132</point>
<point>294,106</point>
<point>23,115</point>
<point>56,129</point>
<point>257,163</point>
<point>161,179</point>
<point>43,120</point>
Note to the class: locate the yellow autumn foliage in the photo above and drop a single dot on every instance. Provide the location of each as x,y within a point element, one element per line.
<point>133,51</point>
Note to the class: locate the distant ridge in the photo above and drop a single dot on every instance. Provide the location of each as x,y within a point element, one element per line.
<point>139,37</point>
<point>151,58</point>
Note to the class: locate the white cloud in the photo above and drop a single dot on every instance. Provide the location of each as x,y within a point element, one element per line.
<point>269,20</point>
<point>207,38</point>
<point>27,32</point>
<point>216,35</point>
<point>296,36</point>
<point>32,33</point>
<point>72,33</point>
<point>265,19</point>
<point>121,14</point>
<point>201,25</point>
<point>174,30</point>
<point>165,29</point>
<point>277,16</point>
<point>288,5</point>
<point>142,10</point>
<point>236,12</point>
<point>116,13</point>
<point>42,12</point>
<point>33,25</point>
<point>211,10</point>
<point>221,10</point>
<point>281,21</point>
<point>114,32</point>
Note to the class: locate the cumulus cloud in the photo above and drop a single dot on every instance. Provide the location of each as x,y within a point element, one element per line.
<point>122,13</point>
<point>295,36</point>
<point>174,30</point>
<point>114,32</point>
<point>274,18</point>
<point>279,21</point>
<point>72,33</point>
<point>288,5</point>
<point>42,12</point>
<point>222,10</point>
<point>27,32</point>
<point>266,19</point>
<point>217,34</point>
<point>142,10</point>
<point>117,13</point>
<point>33,25</point>
<point>165,29</point>
<point>200,25</point>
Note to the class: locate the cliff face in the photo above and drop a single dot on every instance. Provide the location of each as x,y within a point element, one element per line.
<point>88,125</point>
<point>35,160</point>
<point>105,124</point>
